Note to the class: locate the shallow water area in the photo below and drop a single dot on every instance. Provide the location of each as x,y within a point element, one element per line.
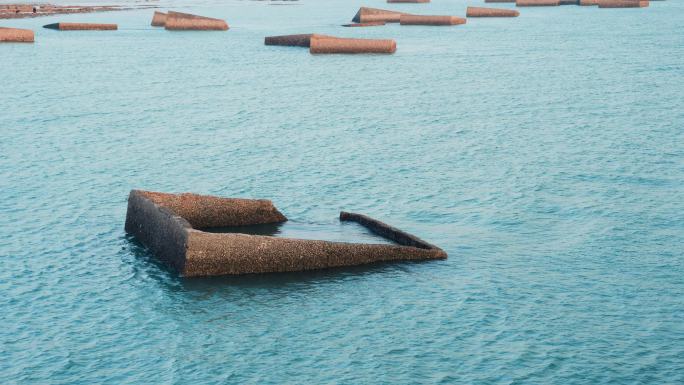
<point>334,232</point>
<point>543,153</point>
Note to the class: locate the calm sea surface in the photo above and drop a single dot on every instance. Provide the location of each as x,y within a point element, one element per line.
<point>545,154</point>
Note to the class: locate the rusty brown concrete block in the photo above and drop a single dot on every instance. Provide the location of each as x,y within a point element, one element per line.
<point>159,19</point>
<point>159,222</point>
<point>430,20</point>
<point>16,35</point>
<point>491,12</point>
<point>623,3</point>
<point>82,27</point>
<point>351,46</point>
<point>537,3</point>
<point>365,15</point>
<point>177,21</point>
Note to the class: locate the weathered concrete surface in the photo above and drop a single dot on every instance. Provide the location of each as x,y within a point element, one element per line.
<point>159,19</point>
<point>82,27</point>
<point>178,21</point>
<point>491,12</point>
<point>366,15</point>
<point>537,3</point>
<point>623,3</point>
<point>588,2</point>
<point>431,20</point>
<point>301,40</point>
<point>351,46</point>
<point>16,35</point>
<point>18,11</point>
<point>156,220</point>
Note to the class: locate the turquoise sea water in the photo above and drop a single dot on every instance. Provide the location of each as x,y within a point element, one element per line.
<point>545,154</point>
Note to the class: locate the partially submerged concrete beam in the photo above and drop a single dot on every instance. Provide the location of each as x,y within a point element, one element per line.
<point>491,12</point>
<point>301,40</point>
<point>537,3</point>
<point>367,24</point>
<point>159,19</point>
<point>82,27</point>
<point>623,3</point>
<point>16,35</point>
<point>365,15</point>
<point>177,21</point>
<point>430,20</point>
<point>156,220</point>
<point>351,46</point>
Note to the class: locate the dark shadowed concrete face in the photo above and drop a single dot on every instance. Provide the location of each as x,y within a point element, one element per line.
<point>170,226</point>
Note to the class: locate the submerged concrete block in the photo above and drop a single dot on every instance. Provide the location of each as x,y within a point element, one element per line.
<point>170,226</point>
<point>537,3</point>
<point>491,12</point>
<point>367,24</point>
<point>177,21</point>
<point>159,19</point>
<point>351,46</point>
<point>430,20</point>
<point>365,15</point>
<point>82,27</point>
<point>623,3</point>
<point>301,40</point>
<point>16,35</point>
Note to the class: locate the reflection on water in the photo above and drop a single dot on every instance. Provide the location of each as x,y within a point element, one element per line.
<point>336,232</point>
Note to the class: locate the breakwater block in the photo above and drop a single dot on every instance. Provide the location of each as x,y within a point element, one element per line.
<point>430,20</point>
<point>82,27</point>
<point>368,24</point>
<point>159,19</point>
<point>623,3</point>
<point>491,12</point>
<point>170,226</point>
<point>16,35</point>
<point>301,40</point>
<point>537,3</point>
<point>365,15</point>
<point>177,21</point>
<point>327,45</point>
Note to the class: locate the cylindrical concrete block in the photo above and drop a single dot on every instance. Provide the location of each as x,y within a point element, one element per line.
<point>177,21</point>
<point>82,27</point>
<point>16,35</point>
<point>159,19</point>
<point>301,40</point>
<point>368,24</point>
<point>366,15</point>
<point>430,20</point>
<point>491,12</point>
<point>623,3</point>
<point>351,46</point>
<point>537,3</point>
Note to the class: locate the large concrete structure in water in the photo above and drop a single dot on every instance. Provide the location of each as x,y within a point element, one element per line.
<point>16,35</point>
<point>170,225</point>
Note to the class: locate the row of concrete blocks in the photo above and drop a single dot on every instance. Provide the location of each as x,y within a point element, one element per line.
<point>170,226</point>
<point>319,44</point>
<point>599,3</point>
